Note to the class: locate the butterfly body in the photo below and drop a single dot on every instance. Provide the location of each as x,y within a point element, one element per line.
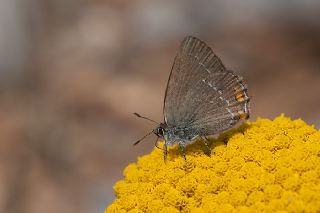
<point>173,135</point>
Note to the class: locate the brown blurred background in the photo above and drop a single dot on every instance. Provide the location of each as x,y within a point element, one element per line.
<point>72,72</point>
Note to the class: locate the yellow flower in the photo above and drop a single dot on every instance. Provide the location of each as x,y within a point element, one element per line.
<point>263,166</point>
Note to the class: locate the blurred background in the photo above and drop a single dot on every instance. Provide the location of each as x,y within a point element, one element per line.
<point>73,72</point>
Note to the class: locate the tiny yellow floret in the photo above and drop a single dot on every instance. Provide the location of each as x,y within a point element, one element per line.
<point>262,166</point>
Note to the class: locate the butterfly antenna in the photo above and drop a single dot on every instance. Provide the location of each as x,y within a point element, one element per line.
<point>140,116</point>
<point>143,138</point>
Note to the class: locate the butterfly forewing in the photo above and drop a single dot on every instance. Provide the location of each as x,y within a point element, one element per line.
<point>202,95</point>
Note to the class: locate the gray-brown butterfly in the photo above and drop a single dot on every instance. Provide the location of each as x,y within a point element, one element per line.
<point>202,97</point>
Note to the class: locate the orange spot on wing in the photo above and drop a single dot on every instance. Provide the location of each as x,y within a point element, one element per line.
<point>243,115</point>
<point>240,96</point>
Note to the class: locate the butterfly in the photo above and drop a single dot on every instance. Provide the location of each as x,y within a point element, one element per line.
<point>202,97</point>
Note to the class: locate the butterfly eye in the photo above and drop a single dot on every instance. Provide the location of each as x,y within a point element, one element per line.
<point>160,131</point>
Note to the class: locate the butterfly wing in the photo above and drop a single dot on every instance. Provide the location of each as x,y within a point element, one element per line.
<point>202,95</point>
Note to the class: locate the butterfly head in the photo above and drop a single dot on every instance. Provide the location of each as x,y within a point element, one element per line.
<point>160,131</point>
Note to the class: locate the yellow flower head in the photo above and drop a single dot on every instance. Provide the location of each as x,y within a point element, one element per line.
<point>263,166</point>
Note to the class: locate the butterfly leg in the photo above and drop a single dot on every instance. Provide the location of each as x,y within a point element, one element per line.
<point>165,152</point>
<point>156,144</point>
<point>205,141</point>
<point>182,150</point>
